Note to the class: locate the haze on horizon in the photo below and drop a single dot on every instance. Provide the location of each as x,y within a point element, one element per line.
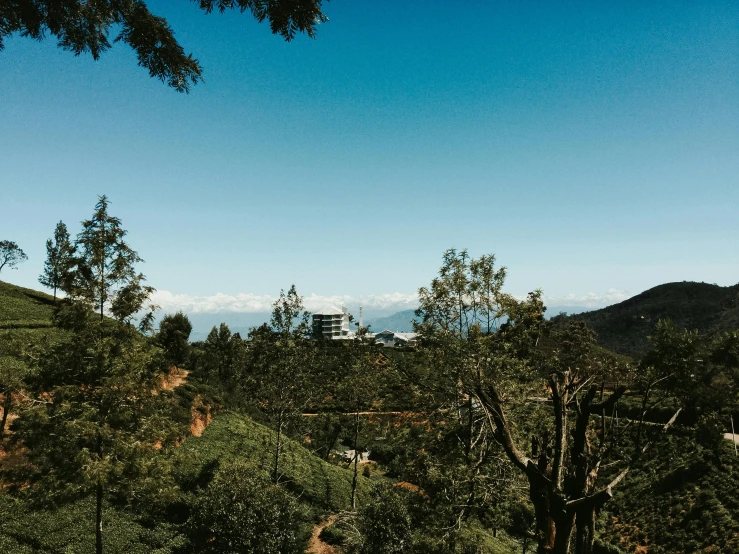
<point>591,147</point>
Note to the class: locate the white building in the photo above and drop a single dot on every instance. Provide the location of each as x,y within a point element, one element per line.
<point>331,323</point>
<point>389,338</point>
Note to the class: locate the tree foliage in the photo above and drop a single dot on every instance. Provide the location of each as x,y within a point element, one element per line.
<point>96,417</point>
<point>239,512</point>
<point>281,360</point>
<point>84,27</point>
<point>173,337</point>
<point>489,350</point>
<point>11,255</point>
<point>105,275</point>
<point>57,273</point>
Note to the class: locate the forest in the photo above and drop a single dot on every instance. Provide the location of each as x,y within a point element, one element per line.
<point>501,431</point>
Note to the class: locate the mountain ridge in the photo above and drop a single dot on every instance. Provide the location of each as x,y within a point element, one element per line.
<point>626,326</point>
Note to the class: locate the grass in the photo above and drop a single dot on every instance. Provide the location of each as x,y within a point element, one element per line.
<point>682,500</point>
<point>321,486</point>
<point>25,321</point>
<point>69,529</point>
<point>24,308</point>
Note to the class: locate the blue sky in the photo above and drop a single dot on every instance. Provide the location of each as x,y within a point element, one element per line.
<point>592,146</point>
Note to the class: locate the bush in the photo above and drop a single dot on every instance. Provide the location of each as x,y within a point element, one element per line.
<point>385,524</point>
<point>601,547</point>
<point>332,535</point>
<point>239,512</point>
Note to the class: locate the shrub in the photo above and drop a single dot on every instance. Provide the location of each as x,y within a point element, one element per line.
<point>239,512</point>
<point>385,524</point>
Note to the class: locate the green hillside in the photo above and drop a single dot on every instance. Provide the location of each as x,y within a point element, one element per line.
<point>25,321</point>
<point>624,327</point>
<point>24,308</point>
<point>319,486</point>
<point>686,499</point>
<point>682,500</point>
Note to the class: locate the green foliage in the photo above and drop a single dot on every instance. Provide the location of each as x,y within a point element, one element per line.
<point>683,499</point>
<point>81,27</point>
<point>10,253</point>
<point>21,307</point>
<point>97,390</point>
<point>281,360</point>
<point>242,512</point>
<point>321,486</point>
<point>385,524</point>
<point>625,327</point>
<point>26,529</point>
<point>57,273</point>
<point>173,337</point>
<point>333,535</point>
<point>105,275</point>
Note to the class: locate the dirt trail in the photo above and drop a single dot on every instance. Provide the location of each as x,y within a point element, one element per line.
<point>316,545</point>
<point>175,378</point>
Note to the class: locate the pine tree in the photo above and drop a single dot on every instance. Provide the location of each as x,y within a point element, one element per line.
<point>84,27</point>
<point>105,275</point>
<point>59,260</point>
<point>98,418</point>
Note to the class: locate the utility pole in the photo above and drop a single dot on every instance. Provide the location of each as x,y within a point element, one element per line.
<point>733,437</point>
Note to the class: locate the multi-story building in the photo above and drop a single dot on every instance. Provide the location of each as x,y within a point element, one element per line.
<point>331,323</point>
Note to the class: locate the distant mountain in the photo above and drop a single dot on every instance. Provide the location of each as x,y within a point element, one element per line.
<point>241,323</point>
<point>399,322</point>
<point>569,310</point>
<point>624,327</point>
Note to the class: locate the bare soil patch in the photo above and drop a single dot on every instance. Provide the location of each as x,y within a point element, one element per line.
<point>316,545</point>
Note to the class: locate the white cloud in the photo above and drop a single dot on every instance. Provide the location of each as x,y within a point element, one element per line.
<point>255,303</point>
<point>590,300</point>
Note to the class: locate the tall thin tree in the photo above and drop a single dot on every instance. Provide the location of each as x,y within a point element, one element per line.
<point>59,260</point>
<point>105,274</point>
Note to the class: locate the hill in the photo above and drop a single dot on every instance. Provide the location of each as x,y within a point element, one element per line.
<point>400,322</point>
<point>624,327</point>
<point>319,486</point>
<point>25,318</point>
<point>24,308</point>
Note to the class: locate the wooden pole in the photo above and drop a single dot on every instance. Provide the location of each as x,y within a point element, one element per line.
<point>733,437</point>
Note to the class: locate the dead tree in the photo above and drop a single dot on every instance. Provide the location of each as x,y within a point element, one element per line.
<point>563,470</point>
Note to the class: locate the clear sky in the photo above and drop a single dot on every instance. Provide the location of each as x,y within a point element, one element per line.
<point>592,146</point>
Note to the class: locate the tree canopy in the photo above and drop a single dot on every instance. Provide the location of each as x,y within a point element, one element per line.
<point>85,27</point>
<point>10,254</point>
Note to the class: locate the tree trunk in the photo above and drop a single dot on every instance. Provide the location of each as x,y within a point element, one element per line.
<point>278,450</point>
<point>356,460</point>
<point>585,533</point>
<point>6,409</point>
<point>330,444</point>
<point>563,533</point>
<point>99,519</point>
<point>545,531</point>
<point>468,459</point>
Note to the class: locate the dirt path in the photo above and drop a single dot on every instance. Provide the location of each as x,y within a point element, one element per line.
<point>175,378</point>
<point>316,545</point>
